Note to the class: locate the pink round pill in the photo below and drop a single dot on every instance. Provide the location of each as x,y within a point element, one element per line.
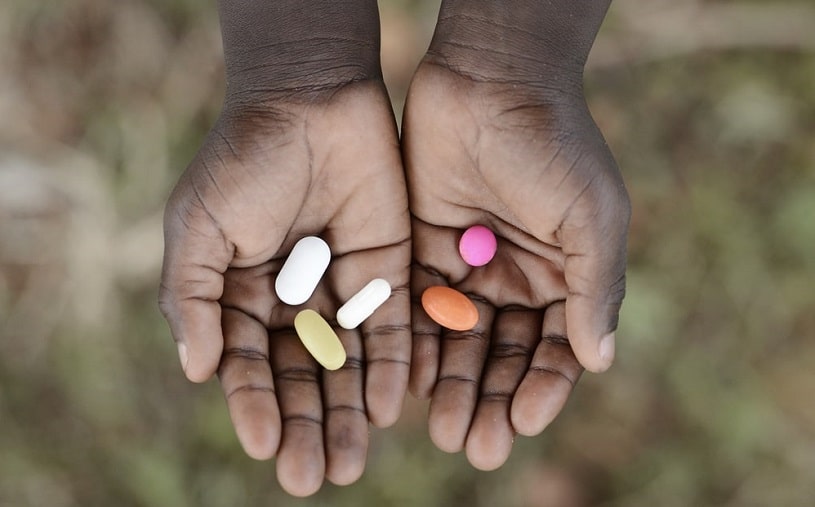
<point>477,245</point>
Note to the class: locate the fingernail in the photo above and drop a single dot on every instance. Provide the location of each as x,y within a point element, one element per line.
<point>607,348</point>
<point>183,355</point>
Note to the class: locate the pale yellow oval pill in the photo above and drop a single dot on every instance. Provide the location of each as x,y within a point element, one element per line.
<point>319,339</point>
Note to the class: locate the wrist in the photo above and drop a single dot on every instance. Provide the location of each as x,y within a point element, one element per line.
<point>532,42</point>
<point>294,47</point>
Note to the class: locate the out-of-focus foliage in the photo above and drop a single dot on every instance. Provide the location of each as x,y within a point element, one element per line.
<point>710,110</point>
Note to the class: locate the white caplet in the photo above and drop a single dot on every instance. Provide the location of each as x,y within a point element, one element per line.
<point>302,270</point>
<point>363,304</point>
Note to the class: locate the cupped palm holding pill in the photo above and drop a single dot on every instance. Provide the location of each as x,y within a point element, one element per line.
<point>259,184</point>
<point>448,307</point>
<point>297,281</point>
<point>306,145</point>
<point>533,168</point>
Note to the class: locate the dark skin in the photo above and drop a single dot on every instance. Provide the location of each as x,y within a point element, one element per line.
<point>487,140</point>
<point>272,189</point>
<point>306,145</point>
<point>295,152</point>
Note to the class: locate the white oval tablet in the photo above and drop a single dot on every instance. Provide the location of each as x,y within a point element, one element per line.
<point>363,304</point>
<point>302,271</point>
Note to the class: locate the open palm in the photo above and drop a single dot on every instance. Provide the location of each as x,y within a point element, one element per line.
<point>268,175</point>
<point>530,164</point>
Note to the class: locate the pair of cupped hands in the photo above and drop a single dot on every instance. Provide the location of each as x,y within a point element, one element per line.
<point>527,162</point>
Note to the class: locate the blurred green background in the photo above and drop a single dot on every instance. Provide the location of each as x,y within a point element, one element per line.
<point>709,107</point>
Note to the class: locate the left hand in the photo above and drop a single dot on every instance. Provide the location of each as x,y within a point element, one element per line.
<point>534,168</point>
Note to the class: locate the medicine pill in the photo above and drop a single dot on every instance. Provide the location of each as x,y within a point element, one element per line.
<point>319,339</point>
<point>477,245</point>
<point>450,308</point>
<point>363,304</point>
<point>302,270</point>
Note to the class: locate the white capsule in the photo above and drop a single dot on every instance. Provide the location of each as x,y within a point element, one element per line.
<point>363,304</point>
<point>302,271</point>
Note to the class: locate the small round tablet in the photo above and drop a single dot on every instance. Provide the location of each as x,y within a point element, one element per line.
<point>302,270</point>
<point>477,245</point>
<point>319,339</point>
<point>450,308</point>
<point>363,304</point>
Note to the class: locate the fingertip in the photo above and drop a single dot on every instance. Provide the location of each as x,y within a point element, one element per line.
<point>448,423</point>
<point>384,412</point>
<point>591,361</point>
<point>299,487</point>
<point>607,349</point>
<point>594,350</point>
<point>299,478</point>
<point>444,440</point>
<point>200,368</point>
<point>183,356</point>
<point>489,442</point>
<point>346,454</point>
<point>487,460</point>
<point>537,404</point>
<point>200,376</point>
<point>594,355</point>
<point>345,476</point>
<point>257,425</point>
<point>196,327</point>
<point>419,390</point>
<point>260,445</point>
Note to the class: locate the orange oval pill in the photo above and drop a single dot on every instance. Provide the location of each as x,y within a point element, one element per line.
<point>450,308</point>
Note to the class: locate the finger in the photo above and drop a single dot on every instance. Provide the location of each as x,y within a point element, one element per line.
<point>550,379</point>
<point>514,336</point>
<point>424,363</point>
<point>463,354</point>
<point>436,262</point>
<point>387,338</point>
<point>346,421</point>
<point>246,379</point>
<point>386,333</point>
<point>301,457</point>
<point>595,248</point>
<point>195,257</point>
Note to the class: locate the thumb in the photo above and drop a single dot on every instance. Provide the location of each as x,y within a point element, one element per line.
<point>595,249</point>
<point>195,257</point>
